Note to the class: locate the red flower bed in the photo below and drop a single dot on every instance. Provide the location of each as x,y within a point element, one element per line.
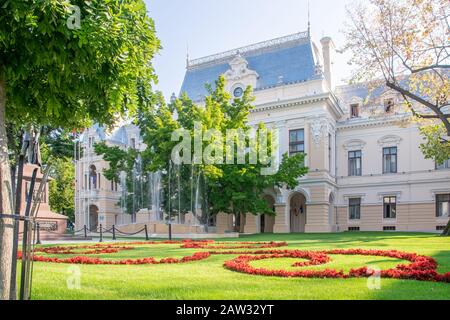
<point>421,267</point>
<point>149,260</point>
<point>233,245</point>
<point>95,249</point>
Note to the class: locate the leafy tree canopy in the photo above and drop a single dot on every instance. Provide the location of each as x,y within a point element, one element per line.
<point>66,76</point>
<point>404,45</point>
<point>230,188</point>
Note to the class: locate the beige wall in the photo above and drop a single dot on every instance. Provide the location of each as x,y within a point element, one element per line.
<point>410,217</point>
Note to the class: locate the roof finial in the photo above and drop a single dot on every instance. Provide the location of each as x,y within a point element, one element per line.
<point>187,54</point>
<point>309,20</point>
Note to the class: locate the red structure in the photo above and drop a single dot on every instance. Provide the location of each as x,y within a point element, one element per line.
<point>51,224</point>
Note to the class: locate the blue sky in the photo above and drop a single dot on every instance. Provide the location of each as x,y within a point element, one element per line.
<point>212,26</point>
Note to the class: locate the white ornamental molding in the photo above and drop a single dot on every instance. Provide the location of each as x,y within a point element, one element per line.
<point>352,100</point>
<point>239,69</point>
<point>396,194</point>
<point>354,144</point>
<point>354,195</point>
<point>319,129</point>
<point>389,141</point>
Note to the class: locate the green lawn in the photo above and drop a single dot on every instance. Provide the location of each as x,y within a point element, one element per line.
<point>208,279</point>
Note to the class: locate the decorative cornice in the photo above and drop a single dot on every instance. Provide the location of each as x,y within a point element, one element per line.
<point>372,122</point>
<point>291,103</point>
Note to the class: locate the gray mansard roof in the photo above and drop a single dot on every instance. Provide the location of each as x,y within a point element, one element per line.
<point>288,59</point>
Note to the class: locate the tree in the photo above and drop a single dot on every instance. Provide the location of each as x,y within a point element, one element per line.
<point>61,187</point>
<point>229,186</point>
<point>405,43</point>
<point>64,64</point>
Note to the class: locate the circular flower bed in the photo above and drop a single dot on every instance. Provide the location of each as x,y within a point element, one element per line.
<point>420,268</point>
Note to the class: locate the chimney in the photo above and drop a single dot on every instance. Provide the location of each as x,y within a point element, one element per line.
<point>328,50</point>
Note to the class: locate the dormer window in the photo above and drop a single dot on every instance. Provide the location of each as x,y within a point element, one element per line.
<point>389,105</point>
<point>354,110</point>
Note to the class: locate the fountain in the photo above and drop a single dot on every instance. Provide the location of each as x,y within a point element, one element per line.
<point>167,201</point>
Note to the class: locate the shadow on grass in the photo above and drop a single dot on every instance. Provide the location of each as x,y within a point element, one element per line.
<point>394,289</point>
<point>342,237</point>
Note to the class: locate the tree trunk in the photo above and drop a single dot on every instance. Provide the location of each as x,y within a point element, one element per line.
<point>446,231</point>
<point>6,225</point>
<point>242,222</point>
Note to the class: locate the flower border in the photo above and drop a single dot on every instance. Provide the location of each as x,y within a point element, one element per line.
<point>421,267</point>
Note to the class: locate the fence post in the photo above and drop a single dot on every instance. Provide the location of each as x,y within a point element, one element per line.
<point>101,233</point>
<point>146,233</point>
<point>85,231</point>
<point>38,233</point>
<point>114,232</point>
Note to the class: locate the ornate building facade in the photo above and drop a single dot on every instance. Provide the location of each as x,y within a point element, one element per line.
<point>366,171</point>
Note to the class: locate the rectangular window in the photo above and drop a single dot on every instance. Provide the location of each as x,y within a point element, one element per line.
<point>354,208</point>
<point>390,160</point>
<point>354,163</point>
<point>445,165</point>
<point>389,207</point>
<point>442,205</point>
<point>296,141</point>
<point>354,110</point>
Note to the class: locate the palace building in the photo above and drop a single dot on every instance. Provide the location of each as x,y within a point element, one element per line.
<point>366,171</point>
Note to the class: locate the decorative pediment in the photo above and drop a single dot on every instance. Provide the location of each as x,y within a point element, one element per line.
<point>239,72</point>
<point>389,94</point>
<point>356,100</point>
<point>396,194</point>
<point>389,141</point>
<point>354,144</point>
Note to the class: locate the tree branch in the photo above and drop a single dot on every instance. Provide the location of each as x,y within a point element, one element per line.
<point>432,67</point>
<point>444,118</point>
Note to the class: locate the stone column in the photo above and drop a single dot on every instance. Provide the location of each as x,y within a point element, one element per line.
<point>223,222</point>
<point>281,225</point>
<point>317,218</point>
<point>251,225</point>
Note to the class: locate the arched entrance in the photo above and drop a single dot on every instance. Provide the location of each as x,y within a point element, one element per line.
<point>267,221</point>
<point>297,209</point>
<point>93,217</point>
